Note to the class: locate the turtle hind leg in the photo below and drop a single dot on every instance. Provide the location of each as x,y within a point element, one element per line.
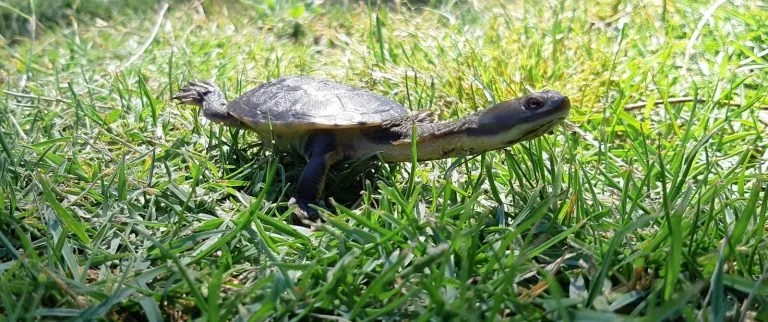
<point>208,96</point>
<point>321,155</point>
<point>311,185</point>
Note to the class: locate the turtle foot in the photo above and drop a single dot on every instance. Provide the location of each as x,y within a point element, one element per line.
<point>206,95</point>
<point>303,213</point>
<point>195,92</point>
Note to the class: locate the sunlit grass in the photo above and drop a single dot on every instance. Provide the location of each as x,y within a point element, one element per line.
<point>116,202</point>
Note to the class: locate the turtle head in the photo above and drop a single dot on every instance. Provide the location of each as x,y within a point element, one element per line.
<point>522,118</point>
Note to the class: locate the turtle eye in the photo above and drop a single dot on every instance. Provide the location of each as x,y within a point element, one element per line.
<point>533,103</point>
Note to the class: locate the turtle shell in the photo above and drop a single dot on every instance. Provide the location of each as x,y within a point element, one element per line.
<point>299,103</point>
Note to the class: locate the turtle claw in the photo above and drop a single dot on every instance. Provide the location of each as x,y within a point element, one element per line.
<point>203,85</point>
<point>194,93</point>
<point>186,96</point>
<point>303,213</point>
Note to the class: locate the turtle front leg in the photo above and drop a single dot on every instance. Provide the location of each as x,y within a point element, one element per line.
<point>311,185</point>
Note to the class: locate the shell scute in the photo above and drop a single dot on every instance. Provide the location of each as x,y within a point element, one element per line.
<point>301,102</point>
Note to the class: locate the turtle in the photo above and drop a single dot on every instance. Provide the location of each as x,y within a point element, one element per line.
<point>327,122</point>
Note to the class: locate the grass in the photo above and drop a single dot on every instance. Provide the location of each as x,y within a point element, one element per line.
<point>118,204</point>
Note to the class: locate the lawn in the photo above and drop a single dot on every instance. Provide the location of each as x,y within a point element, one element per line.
<point>649,202</point>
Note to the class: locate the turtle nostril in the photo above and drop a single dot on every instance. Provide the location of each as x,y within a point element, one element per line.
<point>562,102</point>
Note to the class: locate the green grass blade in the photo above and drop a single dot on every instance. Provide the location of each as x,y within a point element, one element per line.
<point>67,218</point>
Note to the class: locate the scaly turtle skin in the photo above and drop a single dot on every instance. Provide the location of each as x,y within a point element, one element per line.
<point>327,122</point>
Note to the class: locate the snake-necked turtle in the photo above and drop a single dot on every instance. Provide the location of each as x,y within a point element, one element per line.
<point>327,122</point>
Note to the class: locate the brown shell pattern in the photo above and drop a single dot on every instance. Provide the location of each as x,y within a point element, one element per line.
<point>301,102</point>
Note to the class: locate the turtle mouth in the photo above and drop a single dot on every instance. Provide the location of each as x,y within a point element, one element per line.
<point>548,117</point>
<point>543,128</point>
